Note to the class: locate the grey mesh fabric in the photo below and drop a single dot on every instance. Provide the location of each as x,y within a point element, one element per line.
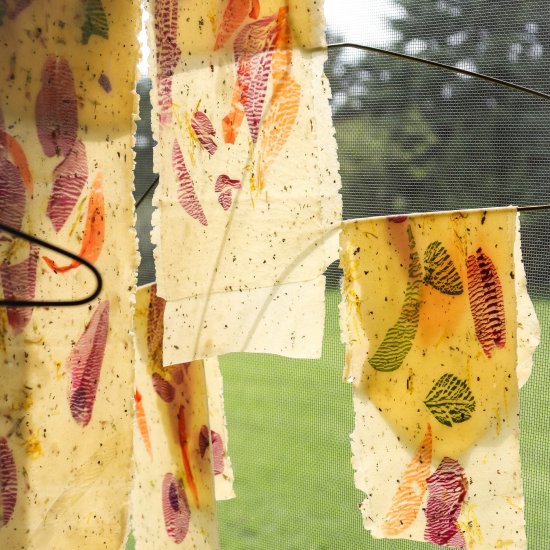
<point>411,139</point>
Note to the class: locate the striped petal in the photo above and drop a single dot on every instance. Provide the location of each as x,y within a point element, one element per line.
<point>69,179</point>
<point>85,363</point>
<point>175,509</point>
<point>19,283</point>
<point>8,482</point>
<point>56,108</point>
<point>447,490</point>
<point>486,302</point>
<point>187,196</point>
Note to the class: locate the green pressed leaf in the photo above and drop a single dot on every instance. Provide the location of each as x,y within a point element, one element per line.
<point>451,400</point>
<point>440,270</point>
<point>399,339</point>
<point>95,21</point>
<point>2,10</point>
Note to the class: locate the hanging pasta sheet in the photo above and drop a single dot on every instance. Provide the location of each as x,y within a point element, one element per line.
<point>66,135</point>
<point>438,329</point>
<point>248,175</point>
<point>176,453</point>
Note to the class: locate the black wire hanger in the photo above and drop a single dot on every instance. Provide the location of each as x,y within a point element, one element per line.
<point>63,252</point>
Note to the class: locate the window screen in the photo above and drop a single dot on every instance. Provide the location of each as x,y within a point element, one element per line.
<point>411,139</point>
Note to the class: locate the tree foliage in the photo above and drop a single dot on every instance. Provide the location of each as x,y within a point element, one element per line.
<point>418,138</point>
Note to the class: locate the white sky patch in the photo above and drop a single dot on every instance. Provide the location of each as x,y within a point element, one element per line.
<point>362,21</point>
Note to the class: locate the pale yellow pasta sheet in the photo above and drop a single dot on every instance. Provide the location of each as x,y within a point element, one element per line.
<point>437,325</point>
<point>247,162</point>
<point>66,136</point>
<point>173,503</point>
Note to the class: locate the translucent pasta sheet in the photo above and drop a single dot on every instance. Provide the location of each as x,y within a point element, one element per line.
<point>66,137</point>
<point>248,172</point>
<point>436,320</point>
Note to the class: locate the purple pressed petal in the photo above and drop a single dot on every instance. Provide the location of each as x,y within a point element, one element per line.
<point>225,199</point>
<point>163,388</point>
<point>217,453</point>
<point>204,131</point>
<point>224,181</point>
<point>19,283</point>
<point>175,509</point>
<point>204,440</point>
<point>85,363</point>
<point>168,53</point>
<point>12,195</point>
<point>105,83</point>
<point>187,196</point>
<point>8,482</point>
<point>69,179</point>
<point>56,108</point>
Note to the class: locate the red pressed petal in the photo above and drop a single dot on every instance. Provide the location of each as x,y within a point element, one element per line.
<point>486,302</point>
<point>447,490</point>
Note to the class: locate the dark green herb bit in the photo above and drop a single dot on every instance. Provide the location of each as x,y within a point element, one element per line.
<point>95,21</point>
<point>440,270</point>
<point>451,400</point>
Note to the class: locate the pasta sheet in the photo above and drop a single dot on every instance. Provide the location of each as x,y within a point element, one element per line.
<point>173,500</point>
<point>430,317</point>
<point>66,137</point>
<point>247,162</point>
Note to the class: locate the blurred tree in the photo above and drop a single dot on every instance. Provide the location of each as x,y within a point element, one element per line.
<point>428,138</point>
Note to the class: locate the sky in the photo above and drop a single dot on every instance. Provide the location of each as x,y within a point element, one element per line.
<point>362,21</point>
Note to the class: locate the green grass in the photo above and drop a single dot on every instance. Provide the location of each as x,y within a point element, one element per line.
<point>289,424</point>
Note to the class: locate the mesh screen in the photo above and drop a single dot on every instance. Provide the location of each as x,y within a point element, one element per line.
<point>411,139</point>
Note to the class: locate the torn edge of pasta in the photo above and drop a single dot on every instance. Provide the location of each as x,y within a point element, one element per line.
<point>223,488</point>
<point>528,327</point>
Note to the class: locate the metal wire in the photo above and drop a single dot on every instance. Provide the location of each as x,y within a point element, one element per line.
<point>62,251</point>
<point>464,72</point>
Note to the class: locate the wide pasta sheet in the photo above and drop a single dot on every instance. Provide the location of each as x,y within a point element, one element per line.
<point>175,452</point>
<point>66,137</point>
<point>247,162</point>
<point>438,328</point>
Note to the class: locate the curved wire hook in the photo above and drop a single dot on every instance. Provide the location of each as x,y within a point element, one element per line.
<point>66,253</point>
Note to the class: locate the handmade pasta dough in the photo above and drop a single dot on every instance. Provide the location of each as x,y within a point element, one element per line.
<point>66,136</point>
<point>248,171</point>
<point>176,452</point>
<point>430,315</point>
